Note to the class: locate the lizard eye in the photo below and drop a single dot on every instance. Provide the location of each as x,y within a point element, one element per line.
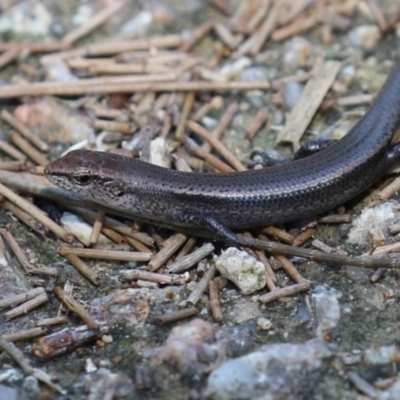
<point>82,180</point>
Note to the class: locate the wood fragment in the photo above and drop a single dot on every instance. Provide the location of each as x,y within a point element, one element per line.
<point>26,218</point>
<point>34,47</point>
<point>114,224</point>
<point>24,335</point>
<point>355,100</point>
<point>318,244</point>
<point>12,151</point>
<point>303,237</point>
<point>17,355</point>
<point>92,23</point>
<point>82,88</point>
<point>222,5</point>
<point>193,162</point>
<point>223,123</point>
<point>243,12</point>
<point>136,244</point>
<point>197,35</point>
<point>291,10</point>
<point>171,245</point>
<point>187,107</point>
<point>97,226</point>
<point>125,69</point>
<point>215,103</point>
<point>146,284</point>
<point>187,248</point>
<point>308,103</point>
<point>377,275</point>
<point>377,13</point>
<point>13,165</point>
<point>87,272</point>
<point>216,144</point>
<point>8,56</point>
<point>52,321</point>
<point>363,386</point>
<point>214,161</point>
<point>290,269</point>
<point>170,279</point>
<point>394,228</point>
<point>227,37</point>
<point>254,42</point>
<point>285,292</point>
<point>119,126</point>
<point>303,23</point>
<point>75,307</point>
<point>191,259</point>
<point>279,234</point>
<point>215,304</point>
<point>36,213</point>
<point>388,248</point>
<point>176,316</point>
<point>28,149</point>
<point>258,16</point>
<point>105,254</point>
<point>24,130</point>
<point>266,27</point>
<point>12,301</point>
<point>259,120</point>
<point>66,340</point>
<point>269,272</point>
<point>201,286</point>
<point>22,256</point>
<point>335,219</point>
<point>27,306</point>
<point>390,190</point>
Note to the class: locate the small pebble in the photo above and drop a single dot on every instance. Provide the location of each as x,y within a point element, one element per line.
<point>364,36</point>
<point>242,269</point>
<point>292,93</point>
<point>264,323</point>
<point>296,53</point>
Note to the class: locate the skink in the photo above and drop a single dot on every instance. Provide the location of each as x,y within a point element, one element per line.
<point>221,202</point>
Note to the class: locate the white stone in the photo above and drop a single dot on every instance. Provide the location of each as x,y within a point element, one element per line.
<point>244,270</point>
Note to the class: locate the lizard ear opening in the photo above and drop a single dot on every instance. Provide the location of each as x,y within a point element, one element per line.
<point>82,180</point>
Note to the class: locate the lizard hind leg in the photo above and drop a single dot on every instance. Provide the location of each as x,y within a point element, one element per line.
<point>212,224</point>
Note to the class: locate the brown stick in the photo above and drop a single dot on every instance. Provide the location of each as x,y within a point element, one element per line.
<point>26,218</point>
<point>97,226</point>
<point>171,245</point>
<point>83,268</point>
<point>28,149</point>
<point>79,88</point>
<point>218,145</point>
<point>187,107</point>
<point>215,304</point>
<point>12,301</point>
<point>284,292</point>
<point>93,23</point>
<point>12,151</point>
<point>37,213</point>
<point>22,256</point>
<point>214,161</point>
<point>24,130</point>
<point>8,56</point>
<point>202,285</point>
<point>34,47</point>
<point>163,279</point>
<point>75,307</point>
<point>105,254</point>
<point>24,308</point>
<point>176,316</point>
